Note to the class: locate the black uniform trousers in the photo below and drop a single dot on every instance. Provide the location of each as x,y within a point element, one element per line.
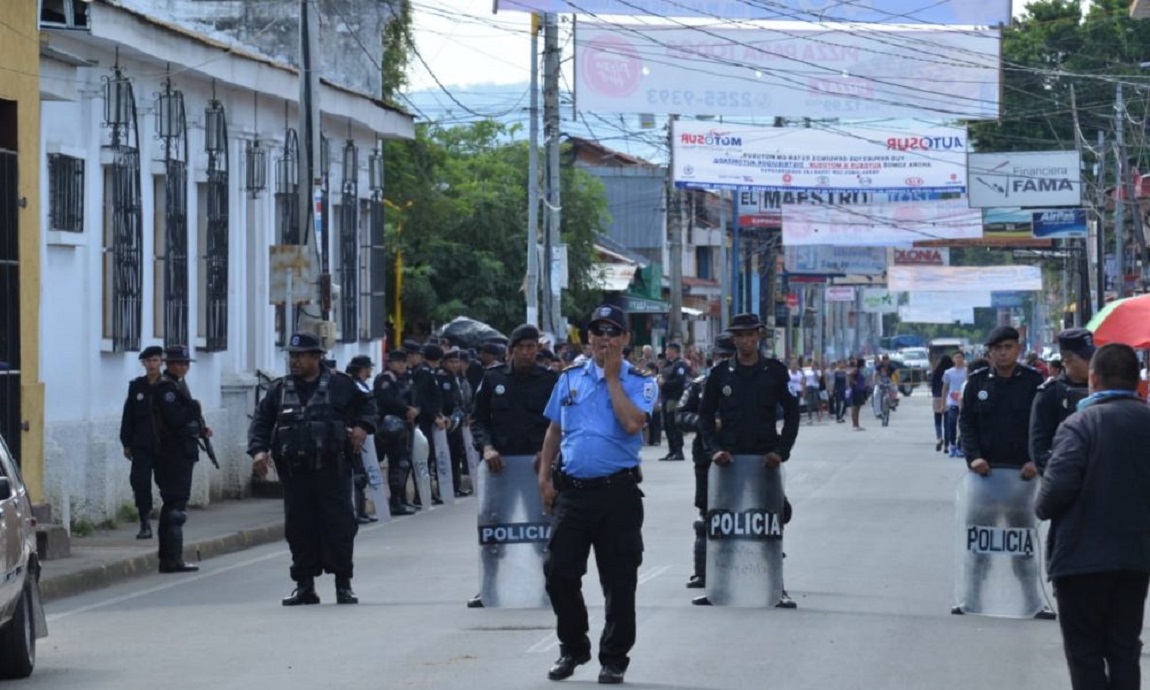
<point>398,466</point>
<point>1101,619</point>
<point>610,519</point>
<point>319,520</point>
<point>140,477</point>
<point>674,433</point>
<point>173,470</point>
<point>458,452</point>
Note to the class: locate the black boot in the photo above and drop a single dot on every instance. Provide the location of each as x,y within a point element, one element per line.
<point>303,594</point>
<point>343,592</point>
<point>145,527</point>
<point>398,507</point>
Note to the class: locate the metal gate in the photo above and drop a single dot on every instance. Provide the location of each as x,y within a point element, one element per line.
<point>10,424</point>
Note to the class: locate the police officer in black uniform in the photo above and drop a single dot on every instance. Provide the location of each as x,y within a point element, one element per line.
<point>672,381</point>
<point>138,434</point>
<point>508,418</point>
<point>687,419</point>
<point>178,428</point>
<point>738,412</point>
<point>392,391</point>
<point>429,402</point>
<point>308,424</point>
<point>456,392</point>
<point>1058,396</point>
<point>359,369</point>
<point>995,420</point>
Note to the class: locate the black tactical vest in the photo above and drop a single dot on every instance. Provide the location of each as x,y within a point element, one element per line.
<point>308,436</point>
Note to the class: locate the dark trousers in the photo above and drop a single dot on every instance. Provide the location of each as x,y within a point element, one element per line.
<point>839,403</point>
<point>655,427</point>
<point>458,456</point>
<point>1101,619</point>
<point>674,433</point>
<point>610,519</point>
<point>173,469</point>
<point>398,457</point>
<point>143,462</point>
<point>319,520</point>
<point>950,432</point>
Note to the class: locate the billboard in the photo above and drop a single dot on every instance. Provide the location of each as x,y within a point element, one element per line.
<point>943,300</point>
<point>912,314</point>
<point>1059,223</point>
<point>879,301</point>
<point>835,260</point>
<point>880,225</point>
<point>1025,179</point>
<point>829,159</point>
<point>925,256</point>
<point>963,278</point>
<point>814,72</point>
<point>1001,227</point>
<point>969,12</point>
<point>840,293</point>
<point>763,208</point>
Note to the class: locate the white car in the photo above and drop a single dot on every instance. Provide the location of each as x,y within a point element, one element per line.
<point>21,612</point>
<point>915,357</point>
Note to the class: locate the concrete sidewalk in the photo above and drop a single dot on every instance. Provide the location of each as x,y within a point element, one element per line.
<point>110,556</point>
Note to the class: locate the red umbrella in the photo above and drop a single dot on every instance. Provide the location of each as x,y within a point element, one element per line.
<point>1123,321</point>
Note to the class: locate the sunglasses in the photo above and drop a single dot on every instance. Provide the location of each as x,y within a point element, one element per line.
<point>606,331</point>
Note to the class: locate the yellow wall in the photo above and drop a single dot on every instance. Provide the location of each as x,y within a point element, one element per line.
<point>20,82</point>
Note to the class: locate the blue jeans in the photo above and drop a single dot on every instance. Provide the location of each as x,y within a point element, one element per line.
<point>951,434</point>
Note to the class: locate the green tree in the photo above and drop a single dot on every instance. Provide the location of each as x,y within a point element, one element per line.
<point>465,233</point>
<point>397,50</point>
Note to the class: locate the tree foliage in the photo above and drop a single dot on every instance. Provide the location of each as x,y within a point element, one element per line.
<point>397,49</point>
<point>464,235</point>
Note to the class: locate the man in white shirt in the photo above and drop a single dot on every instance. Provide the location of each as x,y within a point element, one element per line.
<point>953,380</point>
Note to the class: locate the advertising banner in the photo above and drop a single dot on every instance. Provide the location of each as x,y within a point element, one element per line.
<point>1007,300</point>
<point>926,256</point>
<point>1001,227</point>
<point>963,278</point>
<point>1025,179</point>
<point>1060,223</point>
<point>840,293</point>
<point>934,299</point>
<point>814,72</point>
<point>822,260</point>
<point>886,225</point>
<point>971,12</point>
<point>912,314</point>
<point>879,301</point>
<point>763,208</point>
<point>879,159</point>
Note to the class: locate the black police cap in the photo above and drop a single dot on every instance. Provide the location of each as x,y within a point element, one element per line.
<point>152,351</point>
<point>397,356</point>
<point>610,313</point>
<point>305,342</point>
<point>453,353</point>
<point>523,332</point>
<point>1001,335</point>
<point>1077,340</point>
<point>412,347</point>
<point>724,344</point>
<point>745,322</point>
<point>491,349</point>
<point>432,352</point>
<point>177,353</point>
<point>361,362</point>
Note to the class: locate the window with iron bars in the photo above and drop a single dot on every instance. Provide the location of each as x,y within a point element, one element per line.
<point>65,193</point>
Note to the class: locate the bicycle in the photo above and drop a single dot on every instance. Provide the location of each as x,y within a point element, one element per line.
<point>881,402</point>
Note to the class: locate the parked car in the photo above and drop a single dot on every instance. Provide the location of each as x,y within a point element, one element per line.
<point>21,611</point>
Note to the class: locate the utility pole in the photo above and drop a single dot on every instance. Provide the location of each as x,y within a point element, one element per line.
<point>1100,244</point>
<point>724,270</point>
<point>311,183</point>
<point>675,234</point>
<point>533,182</point>
<point>1120,192</point>
<point>553,307</point>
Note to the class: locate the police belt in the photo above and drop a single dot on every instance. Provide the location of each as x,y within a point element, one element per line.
<point>631,475</point>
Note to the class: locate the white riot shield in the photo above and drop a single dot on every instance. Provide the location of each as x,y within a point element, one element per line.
<point>376,487</point>
<point>472,457</point>
<point>420,450</point>
<point>999,547</point>
<point>744,527</point>
<point>443,466</point>
<point>513,534</point>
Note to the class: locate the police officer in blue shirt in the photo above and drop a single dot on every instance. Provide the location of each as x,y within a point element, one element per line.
<point>597,410</point>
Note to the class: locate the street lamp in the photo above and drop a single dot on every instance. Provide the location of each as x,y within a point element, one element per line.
<point>170,111</point>
<point>375,170</point>
<point>215,128</point>
<point>350,162</point>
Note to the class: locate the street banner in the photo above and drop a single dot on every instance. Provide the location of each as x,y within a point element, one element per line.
<point>1060,223</point>
<point>870,226</point>
<point>763,208</point>
<point>823,260</point>
<point>942,300</point>
<point>1025,179</point>
<point>1007,300</point>
<point>840,293</point>
<point>513,534</point>
<point>827,159</point>
<point>914,314</point>
<point>925,256</point>
<point>816,71</point>
<point>963,12</point>
<point>879,301</point>
<point>998,545</point>
<point>963,278</point>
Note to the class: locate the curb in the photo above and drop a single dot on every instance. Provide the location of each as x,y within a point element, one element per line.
<point>114,571</point>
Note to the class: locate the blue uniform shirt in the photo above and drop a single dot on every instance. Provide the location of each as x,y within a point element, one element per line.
<point>594,444</point>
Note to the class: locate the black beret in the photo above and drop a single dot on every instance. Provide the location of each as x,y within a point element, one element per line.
<point>412,347</point>
<point>152,351</point>
<point>524,332</point>
<point>453,353</point>
<point>1002,334</point>
<point>397,356</point>
<point>432,352</point>
<point>491,349</point>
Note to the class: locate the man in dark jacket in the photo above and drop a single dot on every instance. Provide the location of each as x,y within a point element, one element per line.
<point>1096,492</point>
<point>138,435</point>
<point>1058,396</point>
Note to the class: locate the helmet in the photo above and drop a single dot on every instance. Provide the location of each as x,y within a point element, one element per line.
<point>392,428</point>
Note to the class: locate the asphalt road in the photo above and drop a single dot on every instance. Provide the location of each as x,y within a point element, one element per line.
<point>870,561</point>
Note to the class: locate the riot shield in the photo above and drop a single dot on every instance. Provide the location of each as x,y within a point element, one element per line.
<point>376,488</point>
<point>999,548</point>
<point>513,534</point>
<point>443,466</point>
<point>744,526</point>
<point>472,457</point>
<point>420,450</point>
